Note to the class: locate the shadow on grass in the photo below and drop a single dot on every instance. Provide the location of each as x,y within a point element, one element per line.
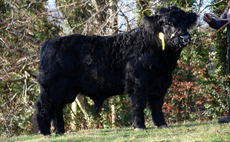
<point>190,124</point>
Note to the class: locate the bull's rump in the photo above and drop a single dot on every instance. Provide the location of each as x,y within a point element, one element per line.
<point>87,62</point>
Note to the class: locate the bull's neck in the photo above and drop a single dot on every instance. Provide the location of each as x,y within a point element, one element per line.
<point>170,56</point>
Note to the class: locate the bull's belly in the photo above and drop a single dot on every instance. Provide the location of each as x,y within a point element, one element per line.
<point>108,85</point>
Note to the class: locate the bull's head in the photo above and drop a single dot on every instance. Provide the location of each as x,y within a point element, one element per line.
<point>174,24</point>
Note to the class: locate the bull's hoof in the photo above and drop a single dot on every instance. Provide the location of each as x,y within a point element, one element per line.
<point>163,126</point>
<point>59,133</point>
<point>137,129</point>
<point>46,135</point>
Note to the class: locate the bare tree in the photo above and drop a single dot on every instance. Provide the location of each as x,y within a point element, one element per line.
<point>24,25</point>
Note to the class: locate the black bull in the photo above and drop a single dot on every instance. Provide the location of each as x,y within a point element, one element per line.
<point>132,63</point>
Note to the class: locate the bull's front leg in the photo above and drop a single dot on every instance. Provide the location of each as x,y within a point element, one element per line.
<point>156,98</point>
<point>138,100</point>
<point>138,104</point>
<point>136,85</point>
<point>155,103</point>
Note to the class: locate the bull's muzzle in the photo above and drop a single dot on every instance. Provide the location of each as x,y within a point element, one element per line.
<point>185,39</point>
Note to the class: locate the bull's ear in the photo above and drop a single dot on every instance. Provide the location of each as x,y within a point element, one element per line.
<point>160,20</point>
<point>192,17</point>
<point>147,20</point>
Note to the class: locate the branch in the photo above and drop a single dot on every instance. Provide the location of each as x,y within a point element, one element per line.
<point>12,19</point>
<point>127,20</point>
<point>27,38</point>
<point>10,100</point>
<point>18,66</point>
<point>3,44</point>
<point>81,105</point>
<point>13,80</point>
<point>210,14</point>
<point>219,17</point>
<point>97,12</point>
<point>24,6</point>
<point>209,6</point>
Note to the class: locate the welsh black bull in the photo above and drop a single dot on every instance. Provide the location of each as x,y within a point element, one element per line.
<point>137,63</point>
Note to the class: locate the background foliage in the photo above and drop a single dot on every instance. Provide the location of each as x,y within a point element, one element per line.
<point>200,89</point>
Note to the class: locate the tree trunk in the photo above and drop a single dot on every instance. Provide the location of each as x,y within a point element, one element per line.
<point>74,114</point>
<point>100,16</point>
<point>81,101</point>
<point>114,18</point>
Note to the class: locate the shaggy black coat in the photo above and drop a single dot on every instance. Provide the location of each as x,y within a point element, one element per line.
<point>130,63</point>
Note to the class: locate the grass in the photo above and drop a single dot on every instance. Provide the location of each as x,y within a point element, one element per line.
<point>184,132</point>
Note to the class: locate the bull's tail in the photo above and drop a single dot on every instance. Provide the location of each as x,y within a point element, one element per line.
<point>35,120</point>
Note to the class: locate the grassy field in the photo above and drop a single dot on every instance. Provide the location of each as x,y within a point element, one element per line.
<point>184,132</point>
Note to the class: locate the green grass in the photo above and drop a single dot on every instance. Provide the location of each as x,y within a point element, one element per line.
<point>184,132</point>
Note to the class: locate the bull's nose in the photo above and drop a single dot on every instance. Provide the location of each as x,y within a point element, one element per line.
<point>185,39</point>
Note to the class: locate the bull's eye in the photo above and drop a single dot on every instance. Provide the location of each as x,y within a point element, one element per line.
<point>173,35</point>
<point>168,23</point>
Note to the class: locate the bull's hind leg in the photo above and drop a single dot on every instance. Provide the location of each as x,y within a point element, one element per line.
<point>58,122</point>
<point>44,112</point>
<point>42,116</point>
<point>61,98</point>
<point>155,104</point>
